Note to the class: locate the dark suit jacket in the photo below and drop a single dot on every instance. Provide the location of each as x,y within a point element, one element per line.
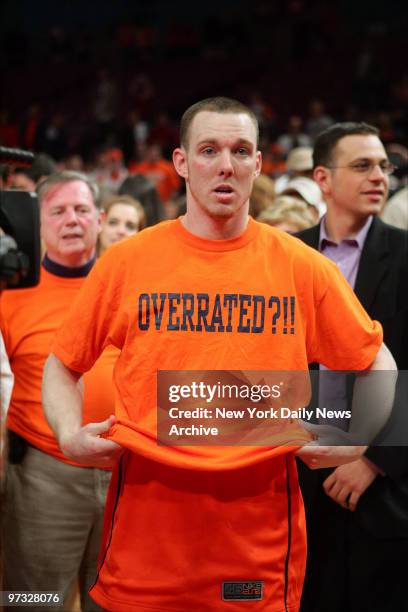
<point>382,288</point>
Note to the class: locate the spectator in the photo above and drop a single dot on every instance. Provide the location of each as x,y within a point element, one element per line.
<point>159,171</point>
<point>141,92</point>
<point>110,171</point>
<point>105,108</point>
<point>299,163</point>
<point>124,217</point>
<point>27,179</point>
<point>164,134</point>
<point>309,191</point>
<point>288,214</point>
<point>294,136</point>
<point>74,162</point>
<point>30,128</point>
<point>395,211</point>
<point>263,111</point>
<point>273,160</point>
<point>52,137</point>
<point>262,195</point>
<point>317,120</point>
<point>139,187</point>
<point>54,512</point>
<point>134,134</point>
<point>357,515</point>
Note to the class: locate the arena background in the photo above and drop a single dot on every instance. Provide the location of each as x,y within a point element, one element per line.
<point>160,56</point>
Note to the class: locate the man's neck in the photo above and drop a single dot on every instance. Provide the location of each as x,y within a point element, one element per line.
<point>201,224</point>
<point>341,225</point>
<point>215,229</point>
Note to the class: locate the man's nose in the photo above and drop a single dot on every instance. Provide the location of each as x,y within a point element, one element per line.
<point>377,173</point>
<point>226,165</point>
<point>71,216</point>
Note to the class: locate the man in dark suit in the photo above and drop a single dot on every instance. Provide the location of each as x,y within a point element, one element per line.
<point>357,514</point>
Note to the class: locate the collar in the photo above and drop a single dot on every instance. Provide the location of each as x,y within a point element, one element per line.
<point>357,240</point>
<point>65,271</point>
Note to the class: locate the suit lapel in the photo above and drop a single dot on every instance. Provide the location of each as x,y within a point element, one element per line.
<point>373,263</point>
<point>311,236</point>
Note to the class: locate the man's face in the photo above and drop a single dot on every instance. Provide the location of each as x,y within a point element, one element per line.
<point>220,164</point>
<point>70,223</point>
<point>348,187</point>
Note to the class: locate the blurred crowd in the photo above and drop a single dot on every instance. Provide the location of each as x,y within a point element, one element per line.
<point>136,163</point>
<point>105,100</point>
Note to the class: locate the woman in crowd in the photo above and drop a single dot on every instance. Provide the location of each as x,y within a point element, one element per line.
<point>124,216</point>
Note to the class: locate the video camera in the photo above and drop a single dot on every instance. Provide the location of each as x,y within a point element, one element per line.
<point>20,243</point>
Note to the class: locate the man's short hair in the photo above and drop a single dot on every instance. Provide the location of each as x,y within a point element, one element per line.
<point>214,105</point>
<point>68,176</point>
<point>327,140</point>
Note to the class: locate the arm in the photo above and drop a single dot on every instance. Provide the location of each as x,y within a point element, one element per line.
<point>371,390</point>
<point>347,483</point>
<point>374,388</point>
<point>62,402</point>
<point>6,387</point>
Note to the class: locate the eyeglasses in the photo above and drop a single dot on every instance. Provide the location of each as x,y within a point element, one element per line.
<point>366,167</point>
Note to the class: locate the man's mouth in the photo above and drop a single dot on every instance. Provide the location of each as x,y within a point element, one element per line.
<point>224,192</point>
<point>223,189</point>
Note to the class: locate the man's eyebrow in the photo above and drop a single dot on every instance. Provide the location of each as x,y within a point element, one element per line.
<point>246,142</point>
<point>367,159</point>
<point>240,141</point>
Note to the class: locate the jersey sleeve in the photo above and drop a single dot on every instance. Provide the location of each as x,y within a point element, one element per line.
<point>92,322</point>
<point>343,336</point>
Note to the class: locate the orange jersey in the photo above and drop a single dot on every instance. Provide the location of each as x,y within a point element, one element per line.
<point>30,318</point>
<point>190,522</point>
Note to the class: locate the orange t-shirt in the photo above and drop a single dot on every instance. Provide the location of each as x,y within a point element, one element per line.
<point>188,518</point>
<point>30,318</point>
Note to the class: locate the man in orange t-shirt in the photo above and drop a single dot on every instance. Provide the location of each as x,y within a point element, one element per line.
<point>204,528</point>
<point>54,506</point>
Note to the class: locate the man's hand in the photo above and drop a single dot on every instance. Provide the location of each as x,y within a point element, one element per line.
<point>88,447</point>
<point>328,456</point>
<point>348,482</point>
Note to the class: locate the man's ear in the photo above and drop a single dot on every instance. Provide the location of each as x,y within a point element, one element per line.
<point>180,162</point>
<point>258,167</point>
<point>322,177</point>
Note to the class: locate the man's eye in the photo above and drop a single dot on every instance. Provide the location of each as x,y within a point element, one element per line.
<point>361,166</point>
<point>208,151</point>
<point>242,151</point>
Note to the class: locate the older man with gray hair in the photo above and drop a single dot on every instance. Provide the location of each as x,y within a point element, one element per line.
<point>54,506</point>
